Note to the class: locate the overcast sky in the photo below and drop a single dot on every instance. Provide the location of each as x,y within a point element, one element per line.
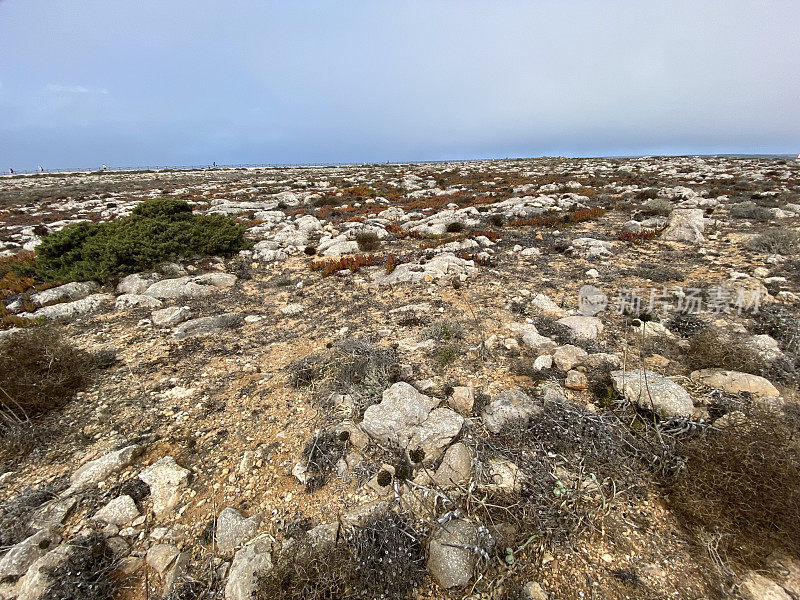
<point>188,82</point>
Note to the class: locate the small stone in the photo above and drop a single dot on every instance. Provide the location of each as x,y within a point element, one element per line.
<point>462,400</point>
<point>576,381</point>
<point>567,357</point>
<point>503,475</point>
<point>292,310</point>
<point>451,560</point>
<point>533,591</point>
<point>656,360</point>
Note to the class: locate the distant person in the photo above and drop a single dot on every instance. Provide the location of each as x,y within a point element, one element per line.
<point>103,167</point>
<point>215,164</point>
<point>41,169</point>
<point>10,170</point>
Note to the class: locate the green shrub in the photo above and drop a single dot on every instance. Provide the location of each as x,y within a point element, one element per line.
<point>498,220</point>
<point>750,210</point>
<point>158,230</point>
<point>657,207</point>
<point>455,227</point>
<point>777,241</point>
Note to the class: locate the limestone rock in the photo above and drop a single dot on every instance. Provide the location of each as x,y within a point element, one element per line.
<point>734,382</point>
<point>99,469</point>
<point>511,407</point>
<point>19,557</point>
<point>69,310</point>
<point>172,315</point>
<point>576,381</point>
<point>167,480</point>
<point>120,511</point>
<point>137,301</point>
<point>133,284</point>
<point>207,325</point>
<point>451,559</point>
<point>33,585</point>
<point>233,530</point>
<point>462,400</point>
<point>394,419</point>
<point>436,432</point>
<point>160,557</point>
<point>568,357</point>
<point>455,468</point>
<point>582,327</point>
<point>757,587</point>
<point>650,391</point>
<point>248,563</point>
<point>69,291</point>
<point>685,225</point>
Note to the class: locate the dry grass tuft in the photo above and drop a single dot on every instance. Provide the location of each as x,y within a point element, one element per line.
<point>87,572</point>
<point>368,241</point>
<point>742,484</point>
<point>713,348</point>
<point>353,367</point>
<point>380,558</point>
<point>777,241</point>
<point>40,372</point>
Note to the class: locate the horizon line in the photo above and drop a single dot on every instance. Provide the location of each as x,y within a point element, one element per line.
<point>238,166</point>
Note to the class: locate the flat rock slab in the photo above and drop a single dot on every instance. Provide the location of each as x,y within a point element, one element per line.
<point>650,391</point>
<point>99,469</point>
<point>137,301</point>
<point>735,382</point>
<point>190,287</point>
<point>582,327</point>
<point>69,291</point>
<point>69,310</point>
<point>207,325</point>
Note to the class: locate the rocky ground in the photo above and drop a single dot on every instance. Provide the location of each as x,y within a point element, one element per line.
<point>502,359</point>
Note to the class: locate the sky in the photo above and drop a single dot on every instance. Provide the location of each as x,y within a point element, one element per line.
<point>191,82</point>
